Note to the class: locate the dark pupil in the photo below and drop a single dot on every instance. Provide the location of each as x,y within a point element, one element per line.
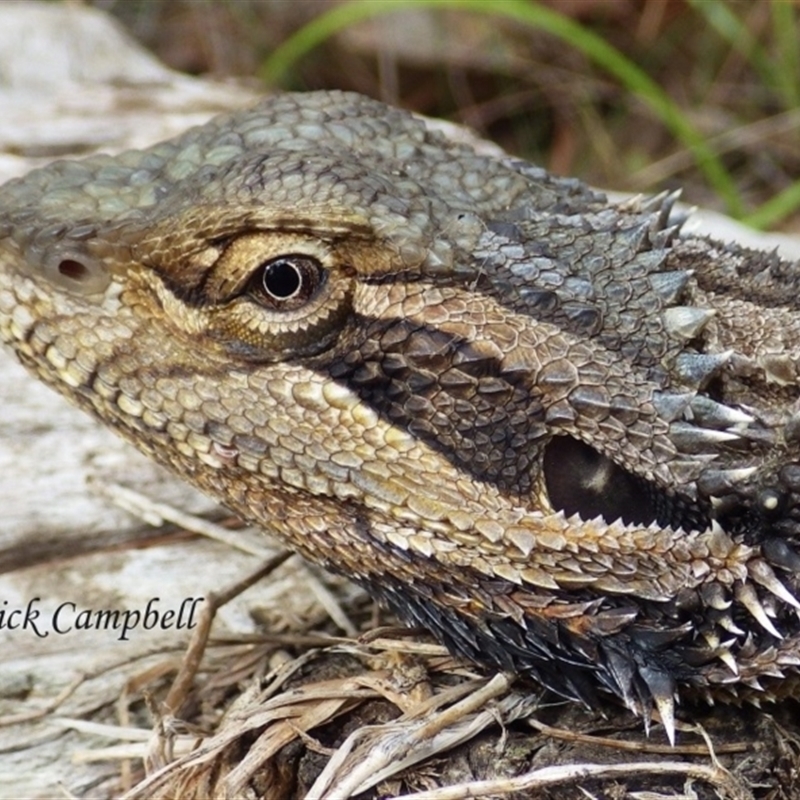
<point>281,279</point>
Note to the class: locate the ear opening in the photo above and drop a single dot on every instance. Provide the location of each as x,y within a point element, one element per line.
<point>582,481</point>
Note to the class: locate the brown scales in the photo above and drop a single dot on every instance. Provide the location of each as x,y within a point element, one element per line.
<point>552,430</point>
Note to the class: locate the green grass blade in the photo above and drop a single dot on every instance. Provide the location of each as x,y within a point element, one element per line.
<point>314,33</point>
<point>719,16</point>
<point>777,209</point>
<point>782,76</point>
<point>784,24</point>
<point>529,13</point>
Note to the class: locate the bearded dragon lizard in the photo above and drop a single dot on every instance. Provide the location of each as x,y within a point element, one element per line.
<point>549,428</point>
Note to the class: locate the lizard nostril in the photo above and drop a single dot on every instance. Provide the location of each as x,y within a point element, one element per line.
<point>78,273</point>
<point>74,270</point>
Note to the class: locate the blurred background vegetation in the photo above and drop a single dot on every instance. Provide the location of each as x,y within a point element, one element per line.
<point>636,95</point>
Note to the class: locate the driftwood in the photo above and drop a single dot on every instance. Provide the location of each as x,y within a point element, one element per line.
<point>73,710</point>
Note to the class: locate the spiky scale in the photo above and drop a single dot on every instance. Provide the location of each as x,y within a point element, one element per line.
<point>695,370</point>
<point>711,414</point>
<point>670,286</point>
<point>724,654</point>
<point>714,596</point>
<point>782,555</point>
<point>726,623</point>
<point>717,482</point>
<point>686,322</point>
<point>748,597</point>
<point>662,688</point>
<point>689,438</point>
<point>762,574</point>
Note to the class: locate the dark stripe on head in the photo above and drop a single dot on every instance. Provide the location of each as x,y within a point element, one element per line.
<point>489,422</point>
<point>447,393</point>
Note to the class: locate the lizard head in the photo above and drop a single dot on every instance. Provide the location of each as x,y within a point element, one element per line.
<point>544,426</point>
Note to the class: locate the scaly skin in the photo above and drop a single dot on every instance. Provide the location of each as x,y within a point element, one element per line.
<point>544,426</point>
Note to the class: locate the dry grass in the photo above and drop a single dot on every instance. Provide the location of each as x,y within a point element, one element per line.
<point>306,714</point>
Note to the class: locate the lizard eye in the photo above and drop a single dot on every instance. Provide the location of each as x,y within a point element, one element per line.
<point>273,296</point>
<point>287,282</point>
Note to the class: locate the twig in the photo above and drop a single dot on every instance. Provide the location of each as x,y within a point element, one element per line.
<point>182,684</point>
